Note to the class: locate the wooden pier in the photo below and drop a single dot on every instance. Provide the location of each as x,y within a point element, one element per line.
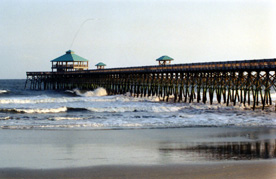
<point>232,82</point>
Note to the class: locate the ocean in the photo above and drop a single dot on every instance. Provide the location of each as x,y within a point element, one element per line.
<point>29,109</point>
<point>73,128</point>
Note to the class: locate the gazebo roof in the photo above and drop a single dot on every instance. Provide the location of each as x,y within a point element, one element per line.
<point>164,58</point>
<point>100,64</point>
<point>70,56</point>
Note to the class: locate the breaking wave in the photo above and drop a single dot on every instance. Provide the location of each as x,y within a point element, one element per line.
<point>5,118</point>
<point>33,100</point>
<point>97,92</point>
<point>29,111</point>
<point>64,118</point>
<point>127,107</point>
<point>46,99</point>
<point>120,109</point>
<point>136,122</point>
<point>4,91</point>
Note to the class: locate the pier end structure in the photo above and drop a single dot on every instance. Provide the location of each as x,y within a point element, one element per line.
<point>244,82</point>
<point>100,65</point>
<point>69,62</point>
<point>164,60</point>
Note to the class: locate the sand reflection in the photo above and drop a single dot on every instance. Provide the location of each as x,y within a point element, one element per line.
<point>228,150</point>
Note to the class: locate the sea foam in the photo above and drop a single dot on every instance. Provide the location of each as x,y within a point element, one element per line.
<point>4,91</point>
<point>29,111</point>
<point>97,92</point>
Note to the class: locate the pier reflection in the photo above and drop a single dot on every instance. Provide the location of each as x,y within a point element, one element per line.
<point>227,150</point>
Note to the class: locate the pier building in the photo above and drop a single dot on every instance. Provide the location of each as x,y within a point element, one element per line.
<point>164,60</point>
<point>69,62</point>
<point>100,65</point>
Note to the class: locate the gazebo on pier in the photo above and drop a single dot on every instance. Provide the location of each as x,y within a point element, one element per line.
<point>164,60</point>
<point>100,65</point>
<point>69,62</point>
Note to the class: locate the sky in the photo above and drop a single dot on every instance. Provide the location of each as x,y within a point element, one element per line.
<point>124,33</point>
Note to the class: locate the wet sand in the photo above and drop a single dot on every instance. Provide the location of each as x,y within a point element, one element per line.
<point>250,170</point>
<point>139,153</point>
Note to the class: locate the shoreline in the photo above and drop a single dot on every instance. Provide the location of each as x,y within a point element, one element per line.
<point>236,169</point>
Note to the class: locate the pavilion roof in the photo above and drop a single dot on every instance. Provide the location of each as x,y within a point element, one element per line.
<point>164,58</point>
<point>100,64</point>
<point>69,56</point>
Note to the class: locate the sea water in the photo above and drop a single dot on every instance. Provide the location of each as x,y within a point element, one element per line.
<point>29,109</point>
<point>74,128</point>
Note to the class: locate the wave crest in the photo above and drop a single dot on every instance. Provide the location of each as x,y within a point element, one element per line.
<point>30,111</point>
<point>97,92</point>
<point>4,91</point>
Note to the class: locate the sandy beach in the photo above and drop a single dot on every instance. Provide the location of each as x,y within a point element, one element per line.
<point>266,170</point>
<point>144,153</point>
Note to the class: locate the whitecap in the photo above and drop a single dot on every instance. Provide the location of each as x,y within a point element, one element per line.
<point>34,100</point>
<point>97,92</point>
<point>112,109</point>
<point>5,118</point>
<point>30,111</point>
<point>4,91</point>
<point>158,109</point>
<point>65,118</point>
